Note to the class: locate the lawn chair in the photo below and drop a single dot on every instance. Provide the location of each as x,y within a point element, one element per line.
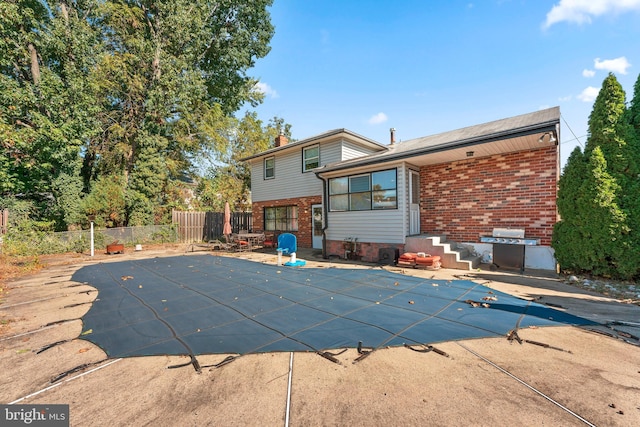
<point>241,245</point>
<point>269,240</point>
<point>287,243</point>
<point>210,245</point>
<point>230,245</point>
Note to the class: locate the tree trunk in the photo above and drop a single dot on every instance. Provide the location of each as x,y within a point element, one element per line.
<point>35,66</point>
<point>65,12</point>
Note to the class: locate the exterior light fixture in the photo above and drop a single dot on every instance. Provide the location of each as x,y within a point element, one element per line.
<point>552,138</point>
<point>469,153</point>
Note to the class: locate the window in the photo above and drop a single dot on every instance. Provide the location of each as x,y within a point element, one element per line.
<point>281,218</point>
<point>310,158</point>
<point>360,193</point>
<point>370,191</point>
<point>269,167</point>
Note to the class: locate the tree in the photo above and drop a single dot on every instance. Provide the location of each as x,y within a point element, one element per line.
<point>107,202</point>
<point>608,129</point>
<point>596,197</point>
<point>570,240</point>
<point>172,65</point>
<point>47,107</point>
<point>631,190</point>
<point>605,228</point>
<point>94,89</point>
<point>230,179</point>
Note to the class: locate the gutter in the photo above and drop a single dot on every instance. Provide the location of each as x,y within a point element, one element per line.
<point>314,139</point>
<point>464,143</point>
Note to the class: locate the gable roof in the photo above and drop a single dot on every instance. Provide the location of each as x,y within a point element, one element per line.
<point>332,134</point>
<point>499,136</point>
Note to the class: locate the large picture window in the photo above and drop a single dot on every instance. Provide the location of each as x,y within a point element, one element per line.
<point>369,191</point>
<point>269,167</point>
<point>281,218</point>
<point>310,158</point>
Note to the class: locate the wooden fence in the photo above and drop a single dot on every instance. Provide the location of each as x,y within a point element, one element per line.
<point>204,226</point>
<point>4,221</point>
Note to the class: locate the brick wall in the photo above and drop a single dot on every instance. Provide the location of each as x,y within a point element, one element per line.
<point>303,235</point>
<point>466,199</point>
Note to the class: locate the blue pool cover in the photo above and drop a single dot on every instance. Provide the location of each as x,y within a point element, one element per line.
<point>192,305</point>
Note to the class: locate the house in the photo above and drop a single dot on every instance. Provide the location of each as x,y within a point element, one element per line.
<point>454,187</point>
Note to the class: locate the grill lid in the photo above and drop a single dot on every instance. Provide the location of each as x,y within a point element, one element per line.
<point>514,233</point>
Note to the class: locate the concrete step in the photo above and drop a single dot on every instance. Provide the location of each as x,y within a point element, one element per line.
<point>451,255</point>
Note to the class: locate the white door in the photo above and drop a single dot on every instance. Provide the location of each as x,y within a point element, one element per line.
<point>316,225</point>
<point>414,203</point>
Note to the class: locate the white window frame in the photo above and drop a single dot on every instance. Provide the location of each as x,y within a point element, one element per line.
<point>305,159</point>
<point>272,168</point>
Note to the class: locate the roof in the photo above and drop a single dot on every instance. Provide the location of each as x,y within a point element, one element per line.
<point>317,138</point>
<point>515,128</point>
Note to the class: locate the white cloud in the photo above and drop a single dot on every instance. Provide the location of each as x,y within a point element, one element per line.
<point>376,119</point>
<point>581,11</point>
<point>266,89</point>
<point>589,94</point>
<point>588,73</point>
<point>565,98</point>
<point>618,65</point>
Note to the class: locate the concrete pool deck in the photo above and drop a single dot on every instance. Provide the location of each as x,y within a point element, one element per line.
<point>556,376</point>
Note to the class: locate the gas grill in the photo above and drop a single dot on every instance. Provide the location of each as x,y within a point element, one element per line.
<point>509,247</point>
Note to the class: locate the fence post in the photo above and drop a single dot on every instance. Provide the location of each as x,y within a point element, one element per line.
<point>4,221</point>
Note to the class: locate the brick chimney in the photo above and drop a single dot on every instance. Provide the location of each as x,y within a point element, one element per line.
<point>281,140</point>
<point>392,131</point>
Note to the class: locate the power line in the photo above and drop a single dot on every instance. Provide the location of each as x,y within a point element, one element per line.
<point>573,139</point>
<point>572,133</point>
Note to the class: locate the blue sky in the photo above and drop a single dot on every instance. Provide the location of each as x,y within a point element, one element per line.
<point>425,67</point>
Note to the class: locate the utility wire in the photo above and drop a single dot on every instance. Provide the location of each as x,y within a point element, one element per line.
<point>571,130</point>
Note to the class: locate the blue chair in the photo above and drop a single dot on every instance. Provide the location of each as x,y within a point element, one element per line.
<point>287,243</point>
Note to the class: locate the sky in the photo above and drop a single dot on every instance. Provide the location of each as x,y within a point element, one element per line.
<point>428,66</point>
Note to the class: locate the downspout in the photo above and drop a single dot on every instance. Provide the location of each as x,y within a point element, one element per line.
<point>325,217</point>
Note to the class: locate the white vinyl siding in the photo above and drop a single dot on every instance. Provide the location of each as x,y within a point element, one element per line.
<point>384,226</point>
<point>352,151</point>
<point>289,180</point>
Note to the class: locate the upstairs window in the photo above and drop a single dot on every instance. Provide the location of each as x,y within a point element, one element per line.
<point>310,158</point>
<point>269,167</point>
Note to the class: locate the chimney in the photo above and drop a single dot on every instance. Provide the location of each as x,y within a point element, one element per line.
<point>393,136</point>
<point>281,140</point>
